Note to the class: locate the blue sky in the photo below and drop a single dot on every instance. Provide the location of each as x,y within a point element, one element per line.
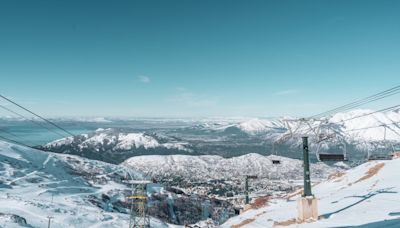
<point>197,58</point>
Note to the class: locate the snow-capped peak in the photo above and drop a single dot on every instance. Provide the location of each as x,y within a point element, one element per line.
<point>257,125</point>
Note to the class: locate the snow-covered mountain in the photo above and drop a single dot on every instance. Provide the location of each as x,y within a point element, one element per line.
<point>345,123</point>
<point>365,196</point>
<point>78,192</point>
<point>116,145</point>
<point>217,176</point>
<point>73,190</point>
<point>212,167</point>
<point>350,126</point>
<point>259,125</point>
<point>116,140</point>
<point>249,125</point>
<point>235,137</point>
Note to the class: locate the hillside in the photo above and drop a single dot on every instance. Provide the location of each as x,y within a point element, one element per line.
<point>367,194</point>
<point>213,167</point>
<point>80,192</point>
<point>216,176</point>
<point>74,190</point>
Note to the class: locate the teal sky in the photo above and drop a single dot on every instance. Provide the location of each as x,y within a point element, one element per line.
<point>197,58</point>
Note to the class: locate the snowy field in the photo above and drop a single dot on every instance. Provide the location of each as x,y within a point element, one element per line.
<point>366,196</point>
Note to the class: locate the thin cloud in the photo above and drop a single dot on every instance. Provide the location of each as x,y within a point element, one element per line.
<point>286,92</point>
<point>194,100</point>
<point>144,79</point>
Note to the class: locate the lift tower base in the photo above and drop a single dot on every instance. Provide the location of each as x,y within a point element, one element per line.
<point>307,209</point>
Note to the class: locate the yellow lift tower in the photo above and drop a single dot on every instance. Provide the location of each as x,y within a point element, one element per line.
<point>138,214</point>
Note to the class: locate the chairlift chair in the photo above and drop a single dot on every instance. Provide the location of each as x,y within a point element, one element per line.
<point>388,153</point>
<point>332,157</point>
<point>276,162</point>
<point>325,154</point>
<point>379,157</point>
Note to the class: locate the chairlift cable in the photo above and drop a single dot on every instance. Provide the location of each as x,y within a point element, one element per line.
<point>357,103</point>
<point>31,120</point>
<point>46,120</point>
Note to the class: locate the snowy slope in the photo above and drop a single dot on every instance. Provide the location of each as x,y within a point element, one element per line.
<point>77,192</point>
<point>216,176</point>
<point>367,194</point>
<point>206,167</point>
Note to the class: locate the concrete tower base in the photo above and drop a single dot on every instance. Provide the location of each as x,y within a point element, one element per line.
<point>307,209</point>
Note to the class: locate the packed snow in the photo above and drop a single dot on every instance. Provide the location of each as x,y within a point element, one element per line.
<point>368,194</point>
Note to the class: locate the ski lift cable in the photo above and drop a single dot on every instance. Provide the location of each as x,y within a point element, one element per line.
<point>357,103</point>
<point>127,169</point>
<point>14,135</point>
<point>363,115</point>
<point>352,107</point>
<point>44,119</point>
<point>15,142</point>
<point>367,114</point>
<point>371,127</point>
<point>31,120</point>
<point>392,130</point>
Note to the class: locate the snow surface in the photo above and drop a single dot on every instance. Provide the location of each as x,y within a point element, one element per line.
<point>36,184</point>
<point>343,201</point>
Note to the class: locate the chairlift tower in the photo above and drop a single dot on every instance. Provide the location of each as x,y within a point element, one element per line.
<point>247,187</point>
<point>138,212</point>
<point>307,203</point>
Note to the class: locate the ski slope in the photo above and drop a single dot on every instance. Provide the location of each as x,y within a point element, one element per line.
<point>74,191</point>
<point>366,196</point>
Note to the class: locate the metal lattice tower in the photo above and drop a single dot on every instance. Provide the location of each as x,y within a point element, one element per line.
<point>138,214</point>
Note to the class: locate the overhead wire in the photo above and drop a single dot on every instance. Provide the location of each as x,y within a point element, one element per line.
<point>39,116</point>
<point>15,142</point>
<point>357,103</point>
<point>126,168</point>
<point>370,113</point>
<point>31,120</point>
<point>13,135</point>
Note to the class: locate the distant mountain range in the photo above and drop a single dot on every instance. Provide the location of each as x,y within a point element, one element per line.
<point>235,137</point>
<point>114,146</point>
